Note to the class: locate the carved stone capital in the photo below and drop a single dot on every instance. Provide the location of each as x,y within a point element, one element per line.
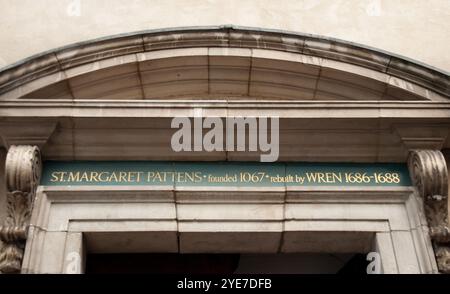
<point>429,173</point>
<point>23,170</point>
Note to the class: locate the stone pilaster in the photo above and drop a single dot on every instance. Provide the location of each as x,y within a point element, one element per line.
<point>22,172</point>
<point>429,173</point>
<point>2,189</point>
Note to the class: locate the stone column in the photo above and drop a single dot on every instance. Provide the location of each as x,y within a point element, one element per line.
<point>22,171</point>
<point>429,173</point>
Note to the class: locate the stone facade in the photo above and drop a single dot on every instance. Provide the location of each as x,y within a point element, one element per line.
<point>394,26</point>
<point>113,99</point>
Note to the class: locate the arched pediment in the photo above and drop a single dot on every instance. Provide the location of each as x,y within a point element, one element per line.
<point>228,63</point>
<point>336,101</point>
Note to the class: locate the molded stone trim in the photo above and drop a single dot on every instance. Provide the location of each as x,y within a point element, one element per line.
<point>58,60</point>
<point>179,220</point>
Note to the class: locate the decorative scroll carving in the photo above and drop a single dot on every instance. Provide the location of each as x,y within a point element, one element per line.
<point>429,174</point>
<point>23,170</point>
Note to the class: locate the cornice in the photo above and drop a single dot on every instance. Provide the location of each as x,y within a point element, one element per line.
<point>60,59</point>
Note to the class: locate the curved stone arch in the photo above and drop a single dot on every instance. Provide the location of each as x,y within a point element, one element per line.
<point>221,61</point>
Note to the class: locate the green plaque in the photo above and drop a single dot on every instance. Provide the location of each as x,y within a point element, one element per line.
<point>222,174</point>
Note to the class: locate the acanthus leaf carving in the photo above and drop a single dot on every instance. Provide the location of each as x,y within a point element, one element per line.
<point>429,173</point>
<point>23,170</point>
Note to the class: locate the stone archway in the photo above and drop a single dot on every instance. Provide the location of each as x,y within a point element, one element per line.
<point>337,101</point>
<point>208,62</point>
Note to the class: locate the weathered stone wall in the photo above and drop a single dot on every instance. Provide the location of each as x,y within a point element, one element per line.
<point>446,153</point>
<point>414,28</point>
<point>2,188</point>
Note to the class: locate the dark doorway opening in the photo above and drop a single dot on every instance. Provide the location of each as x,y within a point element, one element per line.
<point>173,263</point>
<point>170,263</point>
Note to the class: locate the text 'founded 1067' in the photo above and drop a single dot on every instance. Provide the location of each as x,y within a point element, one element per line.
<point>80,173</point>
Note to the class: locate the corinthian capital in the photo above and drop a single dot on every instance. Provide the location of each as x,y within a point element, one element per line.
<point>429,173</point>
<point>23,170</point>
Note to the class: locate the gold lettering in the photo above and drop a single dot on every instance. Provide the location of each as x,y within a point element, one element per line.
<point>158,177</point>
<point>139,176</point>
<point>198,177</point>
<point>311,177</point>
<point>329,177</point>
<point>332,178</point>
<point>63,174</point>
<point>122,176</point>
<point>74,177</point>
<point>55,177</point>
<point>172,176</point>
<point>324,177</point>
<point>337,177</point>
<point>189,176</point>
<point>94,176</point>
<point>180,178</point>
<point>103,179</point>
<point>84,177</point>
<point>113,178</point>
<point>134,176</point>
<point>320,177</point>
